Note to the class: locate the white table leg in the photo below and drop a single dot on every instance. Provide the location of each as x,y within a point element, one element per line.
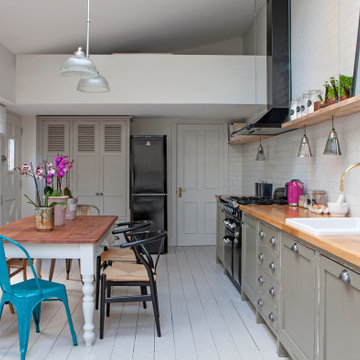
<point>37,266</point>
<point>87,271</point>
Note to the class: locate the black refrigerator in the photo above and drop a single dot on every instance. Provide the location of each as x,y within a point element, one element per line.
<point>148,183</point>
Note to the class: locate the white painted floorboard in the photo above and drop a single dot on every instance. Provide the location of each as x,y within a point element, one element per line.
<point>202,318</point>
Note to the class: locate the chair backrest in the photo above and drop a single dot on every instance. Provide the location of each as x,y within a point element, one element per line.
<point>132,226</point>
<point>4,274</point>
<point>138,242</point>
<point>86,209</point>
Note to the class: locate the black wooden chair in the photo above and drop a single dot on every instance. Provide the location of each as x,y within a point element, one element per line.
<point>111,255</point>
<point>141,274</point>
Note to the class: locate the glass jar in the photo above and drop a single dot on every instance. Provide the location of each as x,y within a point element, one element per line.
<point>304,104</point>
<point>298,107</point>
<point>317,197</point>
<point>313,98</point>
<point>293,111</point>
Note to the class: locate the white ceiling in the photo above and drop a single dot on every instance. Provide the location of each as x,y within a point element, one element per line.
<point>54,26</point>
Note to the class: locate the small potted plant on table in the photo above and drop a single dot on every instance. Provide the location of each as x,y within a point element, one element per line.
<point>44,212</point>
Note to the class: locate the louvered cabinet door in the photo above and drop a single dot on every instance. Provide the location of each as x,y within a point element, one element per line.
<point>86,176</point>
<point>114,168</point>
<point>56,138</point>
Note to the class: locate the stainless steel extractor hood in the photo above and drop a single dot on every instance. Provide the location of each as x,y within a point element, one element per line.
<point>277,72</point>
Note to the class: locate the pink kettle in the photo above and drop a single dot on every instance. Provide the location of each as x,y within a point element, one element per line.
<point>295,188</point>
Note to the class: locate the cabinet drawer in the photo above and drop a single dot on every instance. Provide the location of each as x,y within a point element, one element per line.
<point>268,312</point>
<point>268,262</point>
<point>269,288</point>
<point>269,237</point>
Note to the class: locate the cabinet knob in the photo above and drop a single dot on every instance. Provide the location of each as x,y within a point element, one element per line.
<point>261,233</point>
<point>272,266</point>
<point>273,241</point>
<point>260,302</point>
<point>271,316</point>
<point>261,257</point>
<point>345,277</point>
<point>261,279</point>
<point>272,291</point>
<point>295,248</point>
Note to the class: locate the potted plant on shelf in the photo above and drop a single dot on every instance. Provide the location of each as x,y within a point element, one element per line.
<point>56,173</point>
<point>332,90</point>
<point>44,213</point>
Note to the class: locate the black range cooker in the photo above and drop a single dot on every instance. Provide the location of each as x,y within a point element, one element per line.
<point>233,236</point>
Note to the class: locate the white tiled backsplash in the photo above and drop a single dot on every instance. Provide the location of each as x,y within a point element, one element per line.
<point>319,172</point>
<point>235,169</point>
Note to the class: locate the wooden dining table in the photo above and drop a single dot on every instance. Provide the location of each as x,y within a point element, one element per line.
<point>82,238</point>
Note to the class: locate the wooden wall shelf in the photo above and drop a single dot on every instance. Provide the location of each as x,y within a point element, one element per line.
<point>343,108</point>
<point>245,139</point>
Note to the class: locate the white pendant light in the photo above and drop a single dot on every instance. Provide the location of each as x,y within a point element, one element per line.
<point>260,155</point>
<point>94,84</point>
<point>332,144</point>
<point>80,65</point>
<point>2,120</point>
<point>304,148</point>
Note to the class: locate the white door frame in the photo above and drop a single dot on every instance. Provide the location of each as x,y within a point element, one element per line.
<point>174,199</point>
<point>15,119</point>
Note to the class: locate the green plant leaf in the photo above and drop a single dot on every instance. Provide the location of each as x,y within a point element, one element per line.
<point>58,203</point>
<point>55,193</point>
<point>30,201</point>
<point>48,189</point>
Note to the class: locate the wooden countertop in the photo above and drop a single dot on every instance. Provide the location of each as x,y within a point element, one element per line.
<point>346,247</point>
<point>82,230</point>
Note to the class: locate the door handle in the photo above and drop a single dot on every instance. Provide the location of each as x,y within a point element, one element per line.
<point>180,191</point>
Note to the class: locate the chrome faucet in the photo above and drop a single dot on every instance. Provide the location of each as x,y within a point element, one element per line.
<point>344,175</point>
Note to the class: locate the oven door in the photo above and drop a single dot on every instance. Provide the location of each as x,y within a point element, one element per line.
<point>228,253</point>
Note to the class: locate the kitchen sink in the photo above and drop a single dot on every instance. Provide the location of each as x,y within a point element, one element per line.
<point>326,226</point>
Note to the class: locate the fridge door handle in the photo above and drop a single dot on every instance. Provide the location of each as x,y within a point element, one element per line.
<point>180,191</point>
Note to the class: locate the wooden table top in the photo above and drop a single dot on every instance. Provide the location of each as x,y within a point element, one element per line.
<point>82,230</point>
<point>345,247</point>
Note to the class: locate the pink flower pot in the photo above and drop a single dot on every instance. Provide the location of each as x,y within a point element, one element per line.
<point>59,212</point>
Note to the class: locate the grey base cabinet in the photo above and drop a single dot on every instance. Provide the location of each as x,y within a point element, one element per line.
<point>248,260</point>
<point>298,299</point>
<point>339,311</point>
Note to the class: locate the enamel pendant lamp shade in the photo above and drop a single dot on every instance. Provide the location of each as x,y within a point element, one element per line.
<point>78,65</point>
<point>304,148</point>
<point>332,145</point>
<point>260,155</point>
<point>94,84</point>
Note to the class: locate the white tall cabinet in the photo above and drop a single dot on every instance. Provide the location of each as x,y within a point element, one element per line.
<point>99,146</point>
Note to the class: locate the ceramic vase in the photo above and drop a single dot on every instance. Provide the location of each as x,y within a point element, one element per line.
<point>71,208</point>
<point>44,218</point>
<point>59,210</point>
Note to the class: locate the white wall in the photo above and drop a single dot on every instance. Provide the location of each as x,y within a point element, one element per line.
<point>141,79</point>
<point>319,172</point>
<point>28,154</point>
<point>7,75</point>
<point>313,58</point>
<point>254,40</point>
<point>323,41</point>
<point>227,47</point>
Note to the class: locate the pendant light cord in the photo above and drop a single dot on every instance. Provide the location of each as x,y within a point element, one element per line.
<point>332,122</point>
<point>88,30</point>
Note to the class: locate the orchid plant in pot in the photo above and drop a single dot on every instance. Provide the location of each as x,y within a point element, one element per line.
<point>55,173</point>
<point>44,208</point>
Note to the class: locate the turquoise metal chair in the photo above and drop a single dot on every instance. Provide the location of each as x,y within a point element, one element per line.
<point>26,297</point>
